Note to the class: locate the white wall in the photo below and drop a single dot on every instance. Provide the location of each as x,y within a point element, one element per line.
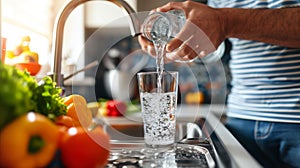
<point>101,13</point>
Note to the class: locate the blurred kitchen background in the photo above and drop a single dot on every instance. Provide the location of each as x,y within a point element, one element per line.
<point>96,31</point>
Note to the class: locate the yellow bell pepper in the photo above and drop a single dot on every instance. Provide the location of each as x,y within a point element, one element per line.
<point>29,141</point>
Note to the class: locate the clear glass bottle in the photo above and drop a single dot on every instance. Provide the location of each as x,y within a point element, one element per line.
<point>163,26</point>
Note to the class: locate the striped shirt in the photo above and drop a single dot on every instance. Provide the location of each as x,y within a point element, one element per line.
<point>265,77</point>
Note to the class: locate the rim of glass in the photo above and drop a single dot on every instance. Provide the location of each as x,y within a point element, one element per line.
<point>155,72</point>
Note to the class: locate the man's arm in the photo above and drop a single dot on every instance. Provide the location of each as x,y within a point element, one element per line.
<point>211,26</point>
<point>275,26</point>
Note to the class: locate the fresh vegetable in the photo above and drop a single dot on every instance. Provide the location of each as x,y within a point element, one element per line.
<point>29,141</point>
<point>63,130</point>
<point>78,110</point>
<point>81,148</point>
<point>116,108</point>
<point>49,101</point>
<point>15,93</point>
<point>113,108</point>
<point>21,93</point>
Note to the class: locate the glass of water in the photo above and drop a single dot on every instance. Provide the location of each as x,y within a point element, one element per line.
<point>158,96</point>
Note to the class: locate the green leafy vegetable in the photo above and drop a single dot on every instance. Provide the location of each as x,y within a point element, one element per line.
<point>21,93</point>
<point>47,96</point>
<point>15,93</point>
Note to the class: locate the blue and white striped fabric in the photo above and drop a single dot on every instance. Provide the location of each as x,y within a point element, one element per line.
<point>265,77</point>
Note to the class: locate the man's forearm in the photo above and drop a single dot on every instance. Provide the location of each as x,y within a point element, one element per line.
<point>275,26</point>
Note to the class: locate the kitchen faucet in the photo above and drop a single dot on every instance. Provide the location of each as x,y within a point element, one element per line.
<point>56,73</point>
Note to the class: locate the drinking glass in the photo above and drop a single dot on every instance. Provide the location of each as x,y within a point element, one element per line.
<point>159,104</point>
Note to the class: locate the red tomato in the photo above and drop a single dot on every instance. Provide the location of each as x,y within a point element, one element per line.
<point>63,134</point>
<point>116,108</point>
<point>82,148</point>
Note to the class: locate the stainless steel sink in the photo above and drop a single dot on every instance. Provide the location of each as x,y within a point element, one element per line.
<point>195,128</point>
<point>127,136</point>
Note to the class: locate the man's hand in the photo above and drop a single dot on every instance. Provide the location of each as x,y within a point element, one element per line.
<point>201,34</point>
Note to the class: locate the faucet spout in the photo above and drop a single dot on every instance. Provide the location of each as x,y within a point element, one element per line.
<point>56,73</point>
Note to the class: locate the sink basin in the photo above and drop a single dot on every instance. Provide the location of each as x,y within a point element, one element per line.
<point>197,129</point>
<point>128,135</point>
